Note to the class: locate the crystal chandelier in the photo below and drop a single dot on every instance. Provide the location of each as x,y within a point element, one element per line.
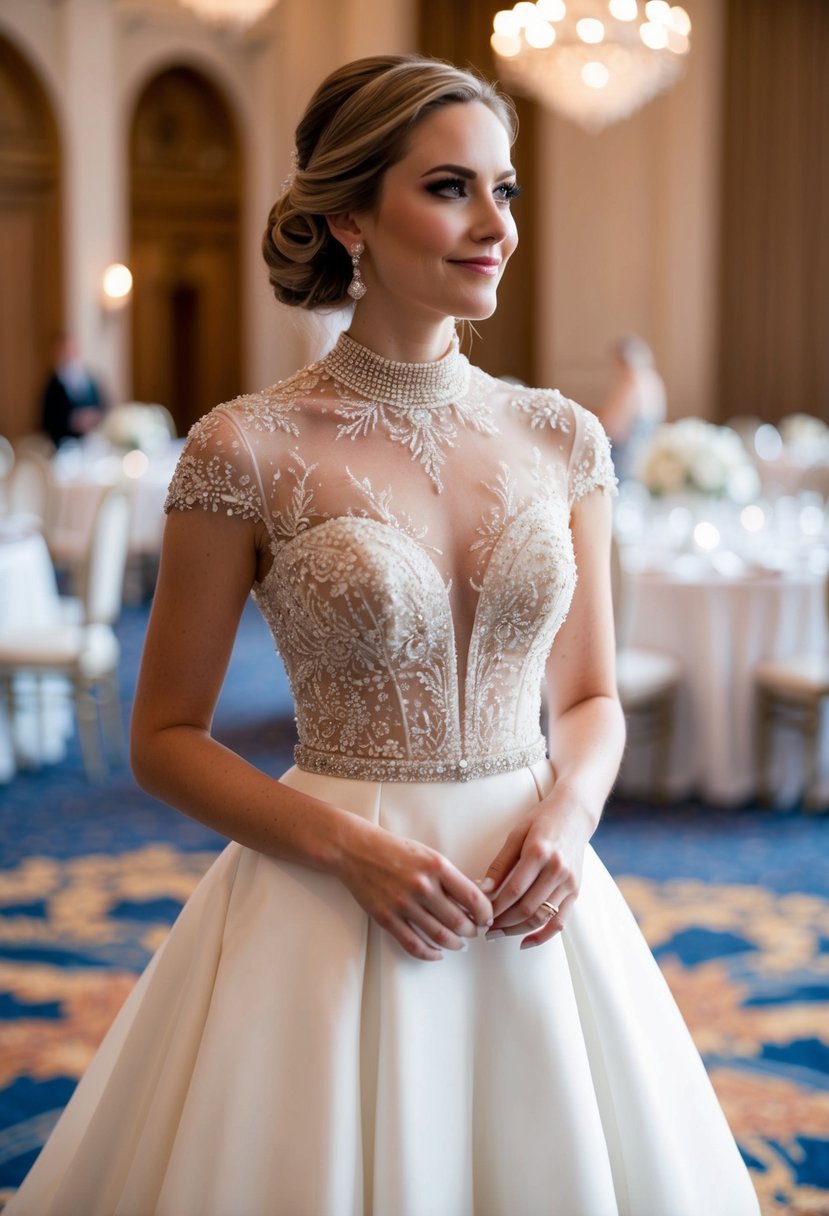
<point>239,13</point>
<point>594,61</point>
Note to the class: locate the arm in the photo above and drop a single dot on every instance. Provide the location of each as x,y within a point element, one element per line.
<point>621,409</point>
<point>208,565</point>
<point>542,858</point>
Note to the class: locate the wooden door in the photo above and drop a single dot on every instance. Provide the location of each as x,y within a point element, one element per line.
<point>185,205</point>
<point>31,271</point>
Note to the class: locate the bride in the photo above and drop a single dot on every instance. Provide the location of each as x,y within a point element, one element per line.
<point>407,987</point>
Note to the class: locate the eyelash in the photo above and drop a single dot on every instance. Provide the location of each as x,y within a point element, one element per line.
<point>510,190</point>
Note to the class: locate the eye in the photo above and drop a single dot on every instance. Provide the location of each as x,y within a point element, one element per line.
<point>448,187</point>
<point>507,191</point>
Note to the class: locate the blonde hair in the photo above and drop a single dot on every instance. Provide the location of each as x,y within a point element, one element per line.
<point>355,127</point>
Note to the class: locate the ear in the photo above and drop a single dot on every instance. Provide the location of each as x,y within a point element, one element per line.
<point>345,228</point>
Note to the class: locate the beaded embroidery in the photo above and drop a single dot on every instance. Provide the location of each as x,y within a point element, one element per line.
<point>420,405</point>
<point>359,608</point>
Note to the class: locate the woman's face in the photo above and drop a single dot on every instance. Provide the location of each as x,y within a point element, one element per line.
<point>442,232</point>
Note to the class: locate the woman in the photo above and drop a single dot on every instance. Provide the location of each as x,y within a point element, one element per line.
<point>635,406</point>
<point>411,529</point>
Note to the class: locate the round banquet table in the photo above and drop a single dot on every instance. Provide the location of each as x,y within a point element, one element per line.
<point>29,597</point>
<point>81,476</point>
<point>720,627</point>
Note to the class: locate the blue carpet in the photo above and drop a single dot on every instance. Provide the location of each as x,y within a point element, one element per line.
<point>733,902</point>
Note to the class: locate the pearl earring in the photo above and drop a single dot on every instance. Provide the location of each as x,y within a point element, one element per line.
<point>356,288</point>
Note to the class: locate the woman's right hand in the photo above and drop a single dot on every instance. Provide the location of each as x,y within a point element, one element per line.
<point>413,892</point>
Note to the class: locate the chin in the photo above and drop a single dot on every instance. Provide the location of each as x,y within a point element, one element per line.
<point>478,312</point>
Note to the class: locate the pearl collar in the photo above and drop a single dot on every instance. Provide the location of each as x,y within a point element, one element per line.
<point>404,386</point>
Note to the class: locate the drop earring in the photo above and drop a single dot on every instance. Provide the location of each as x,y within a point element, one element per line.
<point>356,288</point>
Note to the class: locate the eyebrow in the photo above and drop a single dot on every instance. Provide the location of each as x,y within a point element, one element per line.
<point>461,171</point>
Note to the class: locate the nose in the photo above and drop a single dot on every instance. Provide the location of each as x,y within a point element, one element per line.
<point>492,223</point>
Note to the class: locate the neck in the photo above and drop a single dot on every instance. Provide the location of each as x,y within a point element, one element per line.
<point>414,343</point>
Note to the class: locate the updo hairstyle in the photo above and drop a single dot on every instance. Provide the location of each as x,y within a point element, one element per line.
<point>355,127</point>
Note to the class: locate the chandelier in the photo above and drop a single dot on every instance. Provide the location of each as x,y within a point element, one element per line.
<point>594,61</point>
<point>239,13</point>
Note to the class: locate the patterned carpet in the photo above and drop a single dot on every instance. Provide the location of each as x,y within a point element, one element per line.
<point>735,905</point>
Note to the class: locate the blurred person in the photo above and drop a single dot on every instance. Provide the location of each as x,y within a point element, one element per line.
<point>72,403</point>
<point>635,405</point>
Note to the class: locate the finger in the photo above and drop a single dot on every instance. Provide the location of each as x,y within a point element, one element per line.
<point>435,932</point>
<point>527,908</point>
<point>553,927</point>
<point>413,943</point>
<point>540,864</point>
<point>503,863</point>
<point>465,894</point>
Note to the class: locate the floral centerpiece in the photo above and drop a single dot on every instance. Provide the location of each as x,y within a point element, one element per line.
<point>803,430</point>
<point>696,456</point>
<point>137,424</point>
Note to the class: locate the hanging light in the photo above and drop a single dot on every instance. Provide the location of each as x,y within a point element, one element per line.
<point>594,61</point>
<point>239,13</point>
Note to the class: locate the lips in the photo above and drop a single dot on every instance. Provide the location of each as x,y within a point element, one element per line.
<point>484,266</point>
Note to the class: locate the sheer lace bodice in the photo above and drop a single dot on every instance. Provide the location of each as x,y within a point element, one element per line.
<point>422,562</point>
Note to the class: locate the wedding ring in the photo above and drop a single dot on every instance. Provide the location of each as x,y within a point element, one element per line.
<point>549,908</point>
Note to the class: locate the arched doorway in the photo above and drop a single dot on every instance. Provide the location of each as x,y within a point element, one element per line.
<point>31,262</point>
<point>185,211</point>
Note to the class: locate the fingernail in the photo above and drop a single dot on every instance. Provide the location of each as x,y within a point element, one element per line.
<point>487,885</point>
<point>529,945</point>
<point>493,933</point>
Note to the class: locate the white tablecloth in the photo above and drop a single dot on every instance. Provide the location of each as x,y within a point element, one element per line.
<point>81,478</point>
<point>719,628</point>
<point>29,597</point>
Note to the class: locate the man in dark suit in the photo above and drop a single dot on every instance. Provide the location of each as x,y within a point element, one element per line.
<point>72,402</point>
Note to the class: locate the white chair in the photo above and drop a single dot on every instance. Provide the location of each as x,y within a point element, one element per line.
<point>648,681</point>
<point>790,694</point>
<point>83,648</point>
<point>28,488</point>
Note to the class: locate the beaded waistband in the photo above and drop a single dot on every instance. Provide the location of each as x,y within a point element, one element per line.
<point>380,768</point>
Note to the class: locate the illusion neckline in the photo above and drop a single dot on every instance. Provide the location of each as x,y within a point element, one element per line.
<point>402,386</point>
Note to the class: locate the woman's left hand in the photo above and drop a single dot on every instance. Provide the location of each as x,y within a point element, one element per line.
<point>541,861</point>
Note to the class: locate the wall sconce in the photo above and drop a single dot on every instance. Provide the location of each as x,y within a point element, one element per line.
<point>116,287</point>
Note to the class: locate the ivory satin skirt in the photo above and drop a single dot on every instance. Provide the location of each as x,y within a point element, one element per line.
<point>282,1056</point>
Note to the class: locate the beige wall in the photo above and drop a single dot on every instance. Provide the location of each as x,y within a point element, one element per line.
<point>628,235</point>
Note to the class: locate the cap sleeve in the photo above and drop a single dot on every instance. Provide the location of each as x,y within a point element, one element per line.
<point>216,471</point>
<point>591,466</point>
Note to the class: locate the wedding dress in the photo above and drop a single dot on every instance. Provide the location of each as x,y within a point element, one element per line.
<point>282,1055</point>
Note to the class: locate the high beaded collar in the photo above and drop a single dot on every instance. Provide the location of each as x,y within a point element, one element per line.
<point>401,385</point>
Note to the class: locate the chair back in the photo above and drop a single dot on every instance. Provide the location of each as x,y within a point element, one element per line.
<point>106,559</point>
<point>29,486</point>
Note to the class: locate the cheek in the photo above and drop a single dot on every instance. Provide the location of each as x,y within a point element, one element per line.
<point>510,243</point>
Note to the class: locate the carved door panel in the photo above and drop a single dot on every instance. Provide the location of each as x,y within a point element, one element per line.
<point>30,247</point>
<point>185,247</point>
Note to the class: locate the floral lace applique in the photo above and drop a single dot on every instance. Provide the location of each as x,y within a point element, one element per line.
<point>380,503</point>
<point>297,514</point>
<point>425,431</point>
<point>268,410</point>
<point>546,407</point>
<point>494,521</point>
<point>591,466</point>
<point>217,481</point>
